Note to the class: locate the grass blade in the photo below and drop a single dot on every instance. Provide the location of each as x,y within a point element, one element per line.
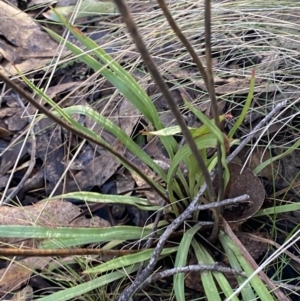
<point>181,261</point>
<point>79,290</point>
<point>210,288</point>
<point>255,281</point>
<point>127,260</point>
<point>246,106</point>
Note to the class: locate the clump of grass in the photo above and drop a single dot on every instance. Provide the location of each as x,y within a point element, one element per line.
<point>228,20</point>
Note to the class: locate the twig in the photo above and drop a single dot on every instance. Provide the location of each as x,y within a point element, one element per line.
<point>123,9</point>
<point>32,157</point>
<point>79,133</point>
<point>287,286</point>
<point>184,41</point>
<point>128,292</point>
<point>226,202</point>
<point>251,135</point>
<point>139,280</point>
<point>151,237</point>
<point>270,242</point>
<point>194,268</point>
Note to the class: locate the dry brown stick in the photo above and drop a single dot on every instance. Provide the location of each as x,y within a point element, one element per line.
<point>77,132</point>
<point>63,252</point>
<point>209,82</point>
<point>184,41</point>
<point>270,242</point>
<point>214,105</point>
<point>280,295</point>
<point>132,28</point>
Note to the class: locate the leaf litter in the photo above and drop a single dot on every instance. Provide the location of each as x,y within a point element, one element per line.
<point>23,43</point>
<point>55,213</point>
<point>93,168</point>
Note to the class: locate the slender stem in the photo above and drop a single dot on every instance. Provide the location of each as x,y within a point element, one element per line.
<point>123,9</point>
<point>183,40</point>
<point>211,90</point>
<point>209,82</point>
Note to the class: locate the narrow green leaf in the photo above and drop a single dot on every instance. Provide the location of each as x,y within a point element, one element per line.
<point>184,152</point>
<point>210,288</point>
<point>127,260</point>
<point>260,167</point>
<point>181,260</point>
<point>129,143</point>
<point>247,291</point>
<point>86,8</point>
<point>111,233</point>
<point>91,235</point>
<point>217,133</point>
<point>77,291</point>
<point>96,197</point>
<point>169,131</point>
<point>279,209</point>
<point>246,106</point>
<point>117,132</point>
<point>115,74</point>
<point>255,281</point>
<point>45,97</point>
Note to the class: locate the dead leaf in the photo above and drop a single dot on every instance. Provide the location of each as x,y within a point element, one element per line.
<point>36,181</point>
<point>290,170</point>
<point>166,115</point>
<point>243,183</point>
<point>3,180</point>
<point>52,213</point>
<point>151,196</point>
<point>97,172</point>
<point>53,158</point>
<point>193,279</point>
<point>24,43</point>
<point>17,273</point>
<point>9,157</point>
<point>7,112</point>
<point>53,91</point>
<point>86,156</point>
<point>26,294</point>
<point>4,132</point>
<point>17,122</point>
<point>124,182</point>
